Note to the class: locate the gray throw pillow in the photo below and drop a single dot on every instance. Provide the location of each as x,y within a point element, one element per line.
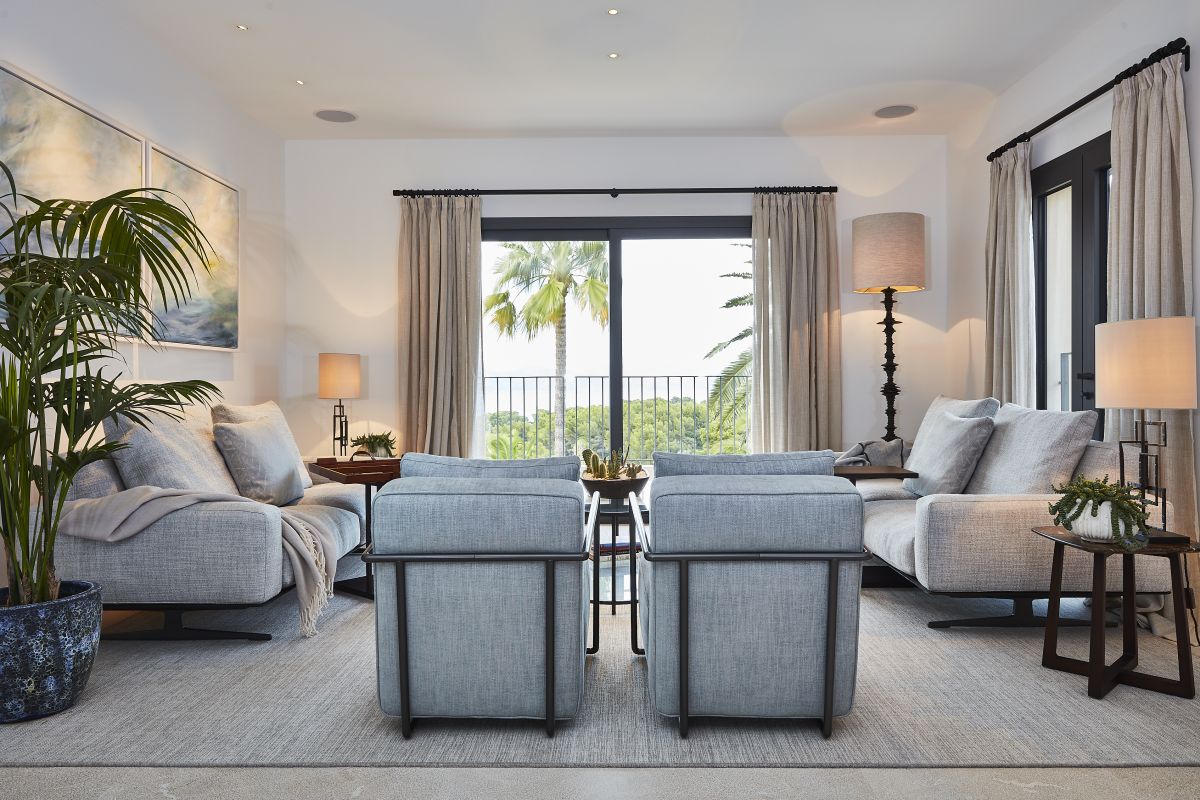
<point>806,462</point>
<point>170,454</point>
<point>238,414</point>
<point>984,407</point>
<point>1031,451</point>
<point>424,465</point>
<point>97,479</point>
<point>262,464</point>
<point>946,452</point>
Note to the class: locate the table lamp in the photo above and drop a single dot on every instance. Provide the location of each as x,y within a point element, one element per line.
<point>889,257</point>
<point>1147,364</point>
<point>339,377</point>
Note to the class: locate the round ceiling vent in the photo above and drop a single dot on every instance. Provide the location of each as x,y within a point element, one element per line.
<point>334,115</point>
<point>893,112</point>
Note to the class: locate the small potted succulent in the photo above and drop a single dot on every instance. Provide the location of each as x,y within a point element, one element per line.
<point>375,445</point>
<point>1100,511</point>
<point>613,477</point>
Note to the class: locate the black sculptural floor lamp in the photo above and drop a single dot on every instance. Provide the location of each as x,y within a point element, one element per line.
<point>339,377</point>
<point>1144,364</point>
<point>889,257</point>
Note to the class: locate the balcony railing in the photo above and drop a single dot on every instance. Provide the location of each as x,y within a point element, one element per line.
<point>674,413</point>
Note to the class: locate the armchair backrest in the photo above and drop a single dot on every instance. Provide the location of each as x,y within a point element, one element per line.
<point>479,515</point>
<point>807,462</point>
<point>756,513</point>
<point>424,465</point>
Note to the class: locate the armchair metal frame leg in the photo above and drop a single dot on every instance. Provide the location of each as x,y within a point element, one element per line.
<point>834,563</point>
<point>400,561</point>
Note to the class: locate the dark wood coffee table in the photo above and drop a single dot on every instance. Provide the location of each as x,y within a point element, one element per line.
<point>1103,677</point>
<point>871,473</point>
<point>371,475</point>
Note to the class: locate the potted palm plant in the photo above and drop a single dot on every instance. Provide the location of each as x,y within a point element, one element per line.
<point>71,285</point>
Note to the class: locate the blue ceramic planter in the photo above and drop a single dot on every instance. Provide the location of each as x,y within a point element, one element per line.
<point>47,650</point>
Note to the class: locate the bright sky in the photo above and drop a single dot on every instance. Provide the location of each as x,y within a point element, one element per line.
<point>673,295</point>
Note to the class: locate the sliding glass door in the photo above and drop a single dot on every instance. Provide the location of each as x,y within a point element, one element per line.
<point>627,333</point>
<point>1070,224</point>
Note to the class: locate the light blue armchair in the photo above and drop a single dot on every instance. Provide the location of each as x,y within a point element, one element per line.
<point>749,589</point>
<point>481,594</point>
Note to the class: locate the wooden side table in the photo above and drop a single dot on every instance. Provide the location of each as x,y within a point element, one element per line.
<point>370,475</point>
<point>1103,677</point>
<point>870,472</point>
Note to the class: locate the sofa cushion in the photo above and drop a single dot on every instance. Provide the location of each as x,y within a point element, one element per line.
<point>424,465</point>
<point>346,496</point>
<point>945,454</point>
<point>808,462</point>
<point>343,523</point>
<point>1031,451</point>
<point>237,414</point>
<point>97,479</point>
<point>883,489</point>
<point>890,532</point>
<point>1100,459</point>
<point>262,465</point>
<point>170,454</point>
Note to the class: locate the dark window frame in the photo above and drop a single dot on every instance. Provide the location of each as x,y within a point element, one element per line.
<point>1085,170</point>
<point>614,230</point>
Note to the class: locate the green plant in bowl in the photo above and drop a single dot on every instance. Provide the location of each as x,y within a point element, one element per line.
<point>380,445</point>
<point>1088,496</point>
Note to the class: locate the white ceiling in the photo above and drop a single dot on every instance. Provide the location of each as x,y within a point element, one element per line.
<point>540,67</point>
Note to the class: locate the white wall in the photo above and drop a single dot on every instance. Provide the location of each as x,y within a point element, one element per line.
<point>1113,42</point>
<point>80,50</point>
<point>343,229</point>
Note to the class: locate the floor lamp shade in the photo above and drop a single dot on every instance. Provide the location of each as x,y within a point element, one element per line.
<point>339,376</point>
<point>889,252</point>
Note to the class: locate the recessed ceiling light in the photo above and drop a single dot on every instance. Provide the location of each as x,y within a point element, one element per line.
<point>242,28</point>
<point>612,12</point>
<point>299,83</point>
<point>614,55</point>
<point>335,115</point>
<point>893,112</point>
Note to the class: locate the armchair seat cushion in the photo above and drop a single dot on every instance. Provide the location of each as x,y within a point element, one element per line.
<point>890,532</point>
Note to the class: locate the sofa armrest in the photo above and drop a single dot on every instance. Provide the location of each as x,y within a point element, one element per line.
<point>219,553</point>
<point>984,543</point>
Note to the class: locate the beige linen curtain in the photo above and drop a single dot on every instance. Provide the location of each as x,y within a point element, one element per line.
<point>796,397</point>
<point>1150,242</point>
<point>440,324</point>
<point>1010,339</point>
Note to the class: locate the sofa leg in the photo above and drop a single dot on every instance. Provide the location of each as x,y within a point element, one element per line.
<point>1022,616</point>
<point>174,631</point>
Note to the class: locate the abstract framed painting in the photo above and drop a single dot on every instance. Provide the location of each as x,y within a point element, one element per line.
<point>57,148</point>
<point>209,319</point>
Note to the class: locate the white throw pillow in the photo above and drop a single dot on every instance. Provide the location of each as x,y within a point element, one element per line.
<point>260,460</point>
<point>238,414</point>
<point>946,452</point>
<point>1031,451</point>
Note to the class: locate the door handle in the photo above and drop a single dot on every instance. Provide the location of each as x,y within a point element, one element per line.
<point>1089,395</point>
<point>1086,376</point>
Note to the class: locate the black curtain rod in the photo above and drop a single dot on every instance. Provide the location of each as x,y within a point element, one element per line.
<point>1178,46</point>
<point>614,192</point>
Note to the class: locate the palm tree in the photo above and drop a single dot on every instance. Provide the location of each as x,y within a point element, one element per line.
<point>542,276</point>
<point>730,395</point>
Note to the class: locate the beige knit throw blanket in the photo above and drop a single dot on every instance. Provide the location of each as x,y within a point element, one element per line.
<point>309,543</point>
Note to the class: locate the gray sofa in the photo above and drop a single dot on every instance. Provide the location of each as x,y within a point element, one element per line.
<point>469,572</point>
<point>750,570</point>
<point>978,542</point>
<point>211,555</point>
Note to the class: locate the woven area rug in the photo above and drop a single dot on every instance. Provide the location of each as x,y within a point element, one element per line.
<point>925,698</point>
